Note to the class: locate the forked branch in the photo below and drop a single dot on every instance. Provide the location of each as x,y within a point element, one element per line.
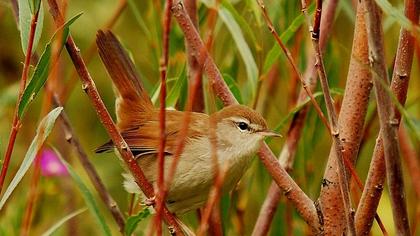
<point>388,122</point>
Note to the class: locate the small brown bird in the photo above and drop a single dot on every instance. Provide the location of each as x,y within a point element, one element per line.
<point>239,132</point>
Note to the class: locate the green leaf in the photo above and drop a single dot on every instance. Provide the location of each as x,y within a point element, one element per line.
<point>35,4</point>
<point>408,119</point>
<point>25,17</point>
<point>139,19</point>
<point>63,220</point>
<point>255,8</point>
<point>88,197</point>
<point>275,51</point>
<point>225,205</point>
<point>298,107</point>
<point>175,91</point>
<point>39,77</point>
<point>398,15</point>
<point>156,90</point>
<point>44,129</point>
<point>233,87</point>
<point>243,48</point>
<point>347,9</point>
<point>133,221</point>
<point>246,28</point>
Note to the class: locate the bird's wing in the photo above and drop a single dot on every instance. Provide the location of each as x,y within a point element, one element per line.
<point>144,139</point>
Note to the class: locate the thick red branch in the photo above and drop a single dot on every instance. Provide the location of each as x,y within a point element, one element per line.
<point>388,121</point>
<point>399,85</point>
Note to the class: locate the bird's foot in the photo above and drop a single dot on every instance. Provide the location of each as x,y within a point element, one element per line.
<point>150,201</point>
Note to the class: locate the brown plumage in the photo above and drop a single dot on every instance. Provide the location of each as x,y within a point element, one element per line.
<point>137,119</point>
<point>239,131</point>
<point>133,103</point>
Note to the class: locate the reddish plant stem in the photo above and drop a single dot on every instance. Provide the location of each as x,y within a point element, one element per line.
<point>89,87</point>
<point>218,173</point>
<point>16,119</point>
<point>33,191</point>
<point>193,37</point>
<point>351,121</point>
<point>305,206</point>
<point>215,222</point>
<point>193,89</point>
<point>94,177</point>
<point>387,119</point>
<point>193,66</point>
<point>131,204</point>
<point>399,85</point>
<point>288,151</point>
<point>333,120</point>
<point>410,158</point>
<point>219,176</point>
<point>291,61</point>
<point>210,220</point>
<point>268,209</point>
<point>214,198</point>
<point>91,52</point>
<point>162,127</point>
<point>301,201</point>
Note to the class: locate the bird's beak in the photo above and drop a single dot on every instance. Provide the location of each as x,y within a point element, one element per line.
<point>269,133</point>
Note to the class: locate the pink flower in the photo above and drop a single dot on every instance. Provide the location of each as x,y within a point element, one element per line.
<point>51,164</point>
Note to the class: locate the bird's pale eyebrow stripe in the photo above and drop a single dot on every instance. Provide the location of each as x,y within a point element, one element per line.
<point>238,119</point>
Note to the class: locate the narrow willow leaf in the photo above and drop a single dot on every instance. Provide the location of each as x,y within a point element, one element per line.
<point>38,80</point>
<point>408,119</point>
<point>233,87</point>
<point>275,51</point>
<point>255,8</point>
<point>156,90</point>
<point>225,208</point>
<point>25,17</point>
<point>175,91</point>
<point>39,77</point>
<point>243,48</point>
<point>62,221</point>
<point>139,19</point>
<point>35,5</point>
<point>44,129</point>
<point>397,14</point>
<point>298,107</point>
<point>246,28</point>
<point>88,197</point>
<point>133,221</point>
<point>347,9</point>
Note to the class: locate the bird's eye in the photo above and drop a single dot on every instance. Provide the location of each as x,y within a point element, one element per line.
<point>243,126</point>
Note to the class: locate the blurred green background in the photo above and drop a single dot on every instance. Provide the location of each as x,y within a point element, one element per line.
<point>58,196</point>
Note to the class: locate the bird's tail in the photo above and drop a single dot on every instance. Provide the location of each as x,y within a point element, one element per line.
<point>132,102</point>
